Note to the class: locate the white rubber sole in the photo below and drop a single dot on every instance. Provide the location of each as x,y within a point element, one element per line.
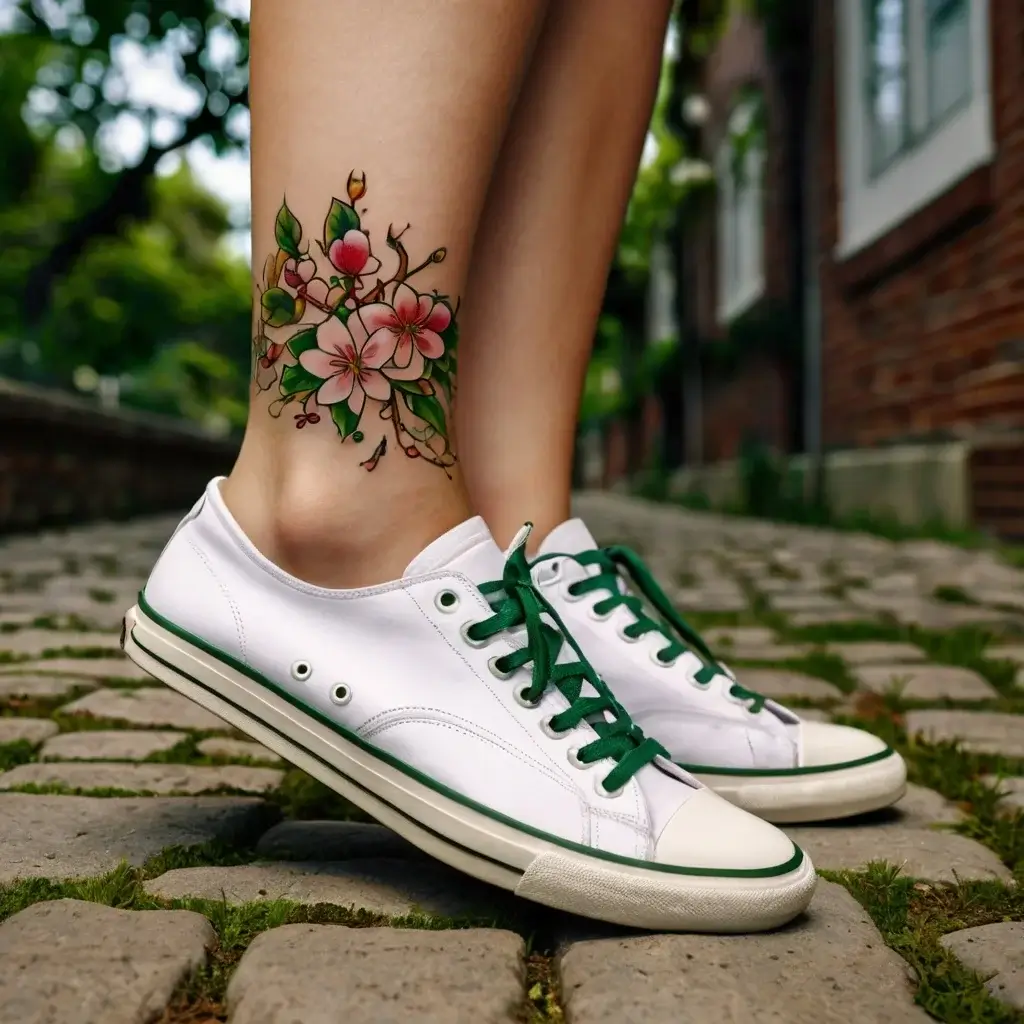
<point>815,796</point>
<point>532,867</point>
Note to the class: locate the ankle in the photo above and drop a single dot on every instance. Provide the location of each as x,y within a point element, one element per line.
<point>333,528</point>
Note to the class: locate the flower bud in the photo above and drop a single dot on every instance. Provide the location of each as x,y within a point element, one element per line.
<point>356,186</point>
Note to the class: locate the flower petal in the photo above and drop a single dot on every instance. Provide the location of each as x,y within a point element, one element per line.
<point>357,400</point>
<point>403,351</point>
<point>411,372</point>
<point>371,266</point>
<point>333,336</point>
<point>406,303</point>
<point>307,269</point>
<point>317,290</point>
<point>429,343</point>
<point>439,318</point>
<point>319,363</point>
<point>375,385</point>
<point>377,349</point>
<point>337,388</point>
<point>350,252</point>
<point>378,314</point>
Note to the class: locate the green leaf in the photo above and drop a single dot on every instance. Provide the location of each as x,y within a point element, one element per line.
<point>408,387</point>
<point>297,378</point>
<point>278,307</point>
<point>344,419</point>
<point>343,313</point>
<point>444,378</point>
<point>340,218</point>
<point>302,342</point>
<point>288,231</point>
<point>428,409</point>
<point>450,336</point>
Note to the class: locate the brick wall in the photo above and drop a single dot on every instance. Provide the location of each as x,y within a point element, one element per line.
<point>924,329</point>
<point>755,402</point>
<point>64,460</point>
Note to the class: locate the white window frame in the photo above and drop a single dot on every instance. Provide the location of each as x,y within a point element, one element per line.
<point>870,204</point>
<point>740,221</point>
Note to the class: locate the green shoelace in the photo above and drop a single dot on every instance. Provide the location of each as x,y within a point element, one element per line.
<point>516,603</point>
<point>679,635</point>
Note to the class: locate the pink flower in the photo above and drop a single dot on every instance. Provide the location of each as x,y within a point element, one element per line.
<point>300,276</point>
<point>414,321</point>
<point>349,367</point>
<point>350,254</point>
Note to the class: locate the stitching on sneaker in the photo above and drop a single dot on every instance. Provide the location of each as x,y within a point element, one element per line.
<point>235,614</point>
<point>471,729</point>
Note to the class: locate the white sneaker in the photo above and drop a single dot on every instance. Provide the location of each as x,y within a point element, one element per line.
<point>751,750</point>
<point>445,705</point>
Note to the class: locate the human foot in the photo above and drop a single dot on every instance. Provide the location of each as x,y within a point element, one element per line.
<point>751,750</point>
<point>445,705</point>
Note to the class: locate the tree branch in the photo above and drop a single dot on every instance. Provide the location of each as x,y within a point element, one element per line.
<point>128,199</point>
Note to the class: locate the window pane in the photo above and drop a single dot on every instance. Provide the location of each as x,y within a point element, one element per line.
<point>888,102</point>
<point>949,52</point>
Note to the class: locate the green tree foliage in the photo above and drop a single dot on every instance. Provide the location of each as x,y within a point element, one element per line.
<point>108,264</point>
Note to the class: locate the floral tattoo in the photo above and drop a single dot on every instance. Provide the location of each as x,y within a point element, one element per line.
<point>335,346</point>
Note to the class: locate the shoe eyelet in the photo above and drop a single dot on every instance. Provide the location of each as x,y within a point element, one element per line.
<point>492,664</point>
<point>446,601</point>
<point>551,732</point>
<point>598,617</point>
<point>573,757</point>
<point>697,684</point>
<point>301,670</point>
<point>607,794</point>
<point>660,662</point>
<point>464,633</point>
<point>624,636</point>
<point>522,701</point>
<point>569,596</point>
<point>340,694</point>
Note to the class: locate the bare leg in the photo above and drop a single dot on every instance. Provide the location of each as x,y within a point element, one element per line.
<point>347,469</point>
<point>541,260</point>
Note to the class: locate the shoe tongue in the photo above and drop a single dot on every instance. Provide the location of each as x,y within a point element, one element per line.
<point>468,548</point>
<point>571,538</point>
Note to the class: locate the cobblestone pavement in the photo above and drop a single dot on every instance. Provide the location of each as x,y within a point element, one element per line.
<point>156,867</point>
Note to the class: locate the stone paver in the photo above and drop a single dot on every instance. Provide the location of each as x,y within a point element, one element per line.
<point>984,732</point>
<point>32,730</point>
<point>17,686</point>
<point>34,642</point>
<point>905,836</point>
<point>392,887</point>
<point>780,683</point>
<point>319,974</point>
<point>79,836</point>
<point>221,746</point>
<point>876,652</point>
<point>1012,789</point>
<point>155,705</point>
<point>832,965</point>
<point>333,840</point>
<point>165,779</point>
<point>768,652</point>
<point>725,638</point>
<point>996,952</point>
<point>926,682</point>
<point>70,962</point>
<point>86,668</point>
<point>1007,652</point>
<point>110,745</point>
